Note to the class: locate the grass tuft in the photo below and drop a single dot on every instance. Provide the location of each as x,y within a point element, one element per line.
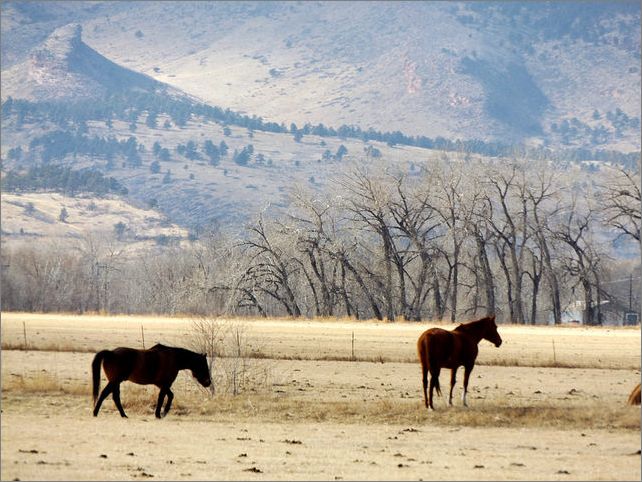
<point>269,407</point>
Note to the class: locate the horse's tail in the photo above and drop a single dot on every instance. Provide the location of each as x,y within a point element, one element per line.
<point>422,353</point>
<point>634,398</point>
<point>424,357</point>
<point>95,370</point>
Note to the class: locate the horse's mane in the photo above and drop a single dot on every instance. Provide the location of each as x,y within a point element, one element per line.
<point>473,324</point>
<point>183,352</point>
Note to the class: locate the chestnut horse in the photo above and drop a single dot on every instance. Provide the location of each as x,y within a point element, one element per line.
<point>158,366</point>
<point>438,348</point>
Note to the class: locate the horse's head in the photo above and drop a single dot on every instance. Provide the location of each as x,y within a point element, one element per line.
<point>201,370</point>
<point>491,333</point>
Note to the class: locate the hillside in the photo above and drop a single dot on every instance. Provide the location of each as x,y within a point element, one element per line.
<point>160,149</point>
<point>558,74</point>
<point>36,217</point>
<point>100,116</point>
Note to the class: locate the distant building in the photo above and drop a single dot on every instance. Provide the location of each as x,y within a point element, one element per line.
<point>611,313</point>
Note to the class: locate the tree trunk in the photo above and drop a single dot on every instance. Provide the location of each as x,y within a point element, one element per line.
<point>489,284</point>
<point>373,304</point>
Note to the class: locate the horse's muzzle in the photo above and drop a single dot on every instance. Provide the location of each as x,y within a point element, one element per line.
<point>498,343</point>
<point>206,383</point>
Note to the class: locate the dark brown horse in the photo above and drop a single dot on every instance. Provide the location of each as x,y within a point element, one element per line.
<point>158,366</point>
<point>438,348</point>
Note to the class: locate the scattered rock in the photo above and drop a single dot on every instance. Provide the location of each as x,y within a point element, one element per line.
<point>253,469</point>
<point>478,467</point>
<point>517,464</point>
<point>293,442</point>
<point>563,471</point>
<point>242,455</point>
<point>103,456</point>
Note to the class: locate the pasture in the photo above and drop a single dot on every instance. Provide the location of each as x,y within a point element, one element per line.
<point>327,400</point>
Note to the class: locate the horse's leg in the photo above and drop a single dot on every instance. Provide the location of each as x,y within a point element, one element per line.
<point>116,396</point>
<point>159,404</point>
<point>170,397</point>
<point>106,391</point>
<point>434,383</point>
<point>453,380</point>
<point>467,370</point>
<point>424,379</point>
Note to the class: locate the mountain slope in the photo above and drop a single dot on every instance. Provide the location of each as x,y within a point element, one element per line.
<point>64,68</point>
<point>553,73</point>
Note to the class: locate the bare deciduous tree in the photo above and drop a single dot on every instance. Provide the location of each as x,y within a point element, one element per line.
<point>622,203</point>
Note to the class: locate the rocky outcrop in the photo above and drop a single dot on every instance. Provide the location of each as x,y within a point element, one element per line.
<point>63,67</point>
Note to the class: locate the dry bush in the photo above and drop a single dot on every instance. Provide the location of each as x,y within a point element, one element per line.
<point>235,366</point>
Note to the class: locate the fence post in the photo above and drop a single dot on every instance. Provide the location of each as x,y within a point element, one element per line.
<point>353,346</point>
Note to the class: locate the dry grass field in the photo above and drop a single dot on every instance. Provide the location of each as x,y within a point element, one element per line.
<point>549,404</point>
